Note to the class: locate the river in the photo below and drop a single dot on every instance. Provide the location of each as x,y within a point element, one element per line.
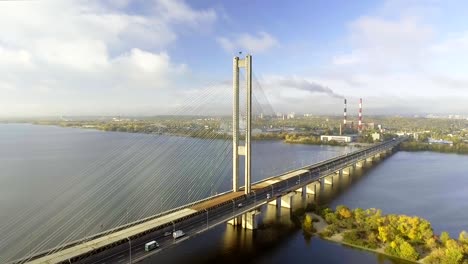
<point>86,181</point>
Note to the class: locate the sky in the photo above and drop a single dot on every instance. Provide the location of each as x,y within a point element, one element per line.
<point>124,57</point>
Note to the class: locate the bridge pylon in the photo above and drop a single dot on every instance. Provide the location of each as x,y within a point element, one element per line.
<point>245,150</point>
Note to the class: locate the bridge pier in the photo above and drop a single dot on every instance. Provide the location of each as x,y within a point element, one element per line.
<point>360,163</point>
<point>308,189</point>
<point>340,174</point>
<point>235,221</point>
<point>346,171</point>
<point>249,220</point>
<point>284,201</point>
<point>328,179</point>
<point>370,159</point>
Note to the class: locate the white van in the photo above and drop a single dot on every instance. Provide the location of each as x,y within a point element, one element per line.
<point>177,234</point>
<point>151,245</point>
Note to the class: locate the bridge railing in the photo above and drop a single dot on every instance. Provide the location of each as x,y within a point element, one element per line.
<point>324,162</point>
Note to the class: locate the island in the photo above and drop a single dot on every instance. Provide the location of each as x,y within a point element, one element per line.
<point>407,237</point>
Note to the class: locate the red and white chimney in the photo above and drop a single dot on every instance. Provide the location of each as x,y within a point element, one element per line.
<point>344,113</point>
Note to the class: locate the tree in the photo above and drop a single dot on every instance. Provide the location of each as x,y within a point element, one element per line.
<point>308,225</point>
<point>400,248</point>
<point>343,211</point>
<point>463,237</point>
<point>444,237</point>
<point>331,218</point>
<point>453,252</point>
<point>431,243</point>
<point>359,217</point>
<point>384,233</point>
<point>407,251</point>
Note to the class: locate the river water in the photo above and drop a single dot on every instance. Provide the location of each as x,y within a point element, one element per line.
<point>60,184</point>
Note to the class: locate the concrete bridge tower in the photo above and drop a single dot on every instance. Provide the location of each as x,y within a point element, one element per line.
<point>245,150</point>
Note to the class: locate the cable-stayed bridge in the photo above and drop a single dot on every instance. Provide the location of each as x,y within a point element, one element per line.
<point>238,206</point>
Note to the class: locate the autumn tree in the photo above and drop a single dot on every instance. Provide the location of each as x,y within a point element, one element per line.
<point>444,236</point>
<point>308,225</point>
<point>453,252</point>
<point>463,237</point>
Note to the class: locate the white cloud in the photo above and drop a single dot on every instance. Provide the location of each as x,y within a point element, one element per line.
<point>381,45</point>
<point>403,57</point>
<point>179,12</point>
<point>57,56</point>
<point>248,43</point>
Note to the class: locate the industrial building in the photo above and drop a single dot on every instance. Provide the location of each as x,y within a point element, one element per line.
<point>346,139</point>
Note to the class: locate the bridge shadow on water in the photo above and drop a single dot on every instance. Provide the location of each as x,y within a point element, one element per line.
<point>277,229</point>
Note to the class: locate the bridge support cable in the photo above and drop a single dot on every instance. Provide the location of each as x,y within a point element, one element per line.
<point>109,184</point>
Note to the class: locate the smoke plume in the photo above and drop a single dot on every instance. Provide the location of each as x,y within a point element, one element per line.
<point>312,87</point>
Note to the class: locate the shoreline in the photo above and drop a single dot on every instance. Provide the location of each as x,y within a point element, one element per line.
<point>219,136</point>
<point>321,225</point>
<point>378,251</point>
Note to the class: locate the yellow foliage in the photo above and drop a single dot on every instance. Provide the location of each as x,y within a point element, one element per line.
<point>345,212</point>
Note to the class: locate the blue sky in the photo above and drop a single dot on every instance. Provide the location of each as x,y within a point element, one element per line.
<point>150,57</point>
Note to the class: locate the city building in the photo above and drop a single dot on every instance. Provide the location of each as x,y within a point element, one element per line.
<point>376,136</point>
<point>439,141</point>
<point>346,139</point>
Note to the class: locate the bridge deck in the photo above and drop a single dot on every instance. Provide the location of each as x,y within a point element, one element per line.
<point>279,178</point>
<point>217,200</point>
<point>83,248</point>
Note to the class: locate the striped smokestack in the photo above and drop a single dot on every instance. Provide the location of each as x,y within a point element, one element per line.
<point>344,113</point>
<point>360,115</point>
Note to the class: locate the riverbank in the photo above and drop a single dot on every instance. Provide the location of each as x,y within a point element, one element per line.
<point>399,236</point>
<point>204,134</point>
<point>460,148</point>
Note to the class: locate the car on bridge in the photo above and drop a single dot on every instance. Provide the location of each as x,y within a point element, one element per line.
<point>177,234</point>
<point>240,205</point>
<point>151,245</point>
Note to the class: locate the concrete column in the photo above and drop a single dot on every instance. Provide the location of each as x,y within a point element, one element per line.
<point>235,124</point>
<point>235,221</point>
<point>249,220</point>
<point>328,180</point>
<point>248,70</point>
<point>346,171</point>
<point>302,191</point>
<point>284,201</point>
<point>360,163</point>
<point>308,189</point>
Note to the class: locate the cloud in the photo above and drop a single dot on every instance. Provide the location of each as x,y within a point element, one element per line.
<point>177,11</point>
<point>74,57</point>
<point>381,45</point>
<point>248,43</point>
<point>399,55</point>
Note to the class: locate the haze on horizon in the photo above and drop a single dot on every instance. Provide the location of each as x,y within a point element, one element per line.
<point>139,57</point>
